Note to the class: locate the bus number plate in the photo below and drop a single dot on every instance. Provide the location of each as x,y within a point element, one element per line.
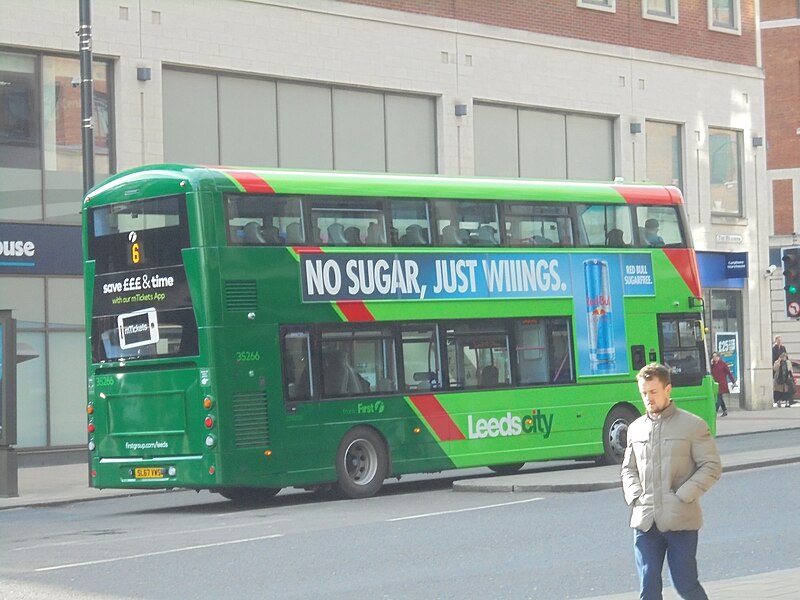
<point>147,473</point>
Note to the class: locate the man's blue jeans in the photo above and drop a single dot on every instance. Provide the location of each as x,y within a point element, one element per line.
<point>680,548</point>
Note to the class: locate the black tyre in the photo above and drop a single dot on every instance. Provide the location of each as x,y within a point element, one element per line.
<point>362,463</point>
<point>615,434</point>
<point>506,469</point>
<point>246,495</point>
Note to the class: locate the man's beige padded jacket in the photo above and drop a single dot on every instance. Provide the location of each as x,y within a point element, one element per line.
<point>670,461</point>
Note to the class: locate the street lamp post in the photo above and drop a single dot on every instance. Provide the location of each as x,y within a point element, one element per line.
<point>87,126</point>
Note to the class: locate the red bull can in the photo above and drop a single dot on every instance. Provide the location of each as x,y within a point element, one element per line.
<point>598,312</point>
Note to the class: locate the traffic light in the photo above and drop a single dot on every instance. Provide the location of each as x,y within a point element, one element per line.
<point>791,280</point>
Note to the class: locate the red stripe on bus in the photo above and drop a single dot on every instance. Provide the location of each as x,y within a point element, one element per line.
<point>250,181</point>
<point>307,249</point>
<point>685,263</point>
<point>434,413</point>
<point>646,194</point>
<point>355,311</point>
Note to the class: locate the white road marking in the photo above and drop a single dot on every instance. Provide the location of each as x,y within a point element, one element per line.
<point>459,510</point>
<point>162,552</point>
<point>94,540</point>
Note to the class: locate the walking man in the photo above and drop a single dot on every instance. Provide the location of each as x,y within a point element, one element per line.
<point>670,461</point>
<point>721,373</point>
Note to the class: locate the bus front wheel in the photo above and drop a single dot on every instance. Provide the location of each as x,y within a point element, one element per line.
<point>361,463</point>
<point>615,434</point>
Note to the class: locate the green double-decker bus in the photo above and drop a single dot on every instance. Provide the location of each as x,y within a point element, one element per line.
<point>253,329</point>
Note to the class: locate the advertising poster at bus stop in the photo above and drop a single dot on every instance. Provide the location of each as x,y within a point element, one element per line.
<point>727,344</point>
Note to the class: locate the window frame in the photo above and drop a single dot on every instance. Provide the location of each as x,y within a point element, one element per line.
<point>670,16</point>
<point>603,5</point>
<point>735,28</point>
<point>680,128</point>
<point>739,135</point>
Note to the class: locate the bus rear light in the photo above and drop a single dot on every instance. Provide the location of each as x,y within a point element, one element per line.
<point>267,453</point>
<point>417,430</point>
<point>90,409</point>
<point>209,422</point>
<point>211,470</point>
<point>172,471</point>
<point>91,428</point>
<point>210,441</point>
<point>92,445</point>
<point>207,403</point>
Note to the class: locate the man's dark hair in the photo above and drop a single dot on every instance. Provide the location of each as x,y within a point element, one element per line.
<point>655,371</point>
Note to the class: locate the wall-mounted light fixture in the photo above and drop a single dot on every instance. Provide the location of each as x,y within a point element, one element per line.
<point>636,128</point>
<point>461,110</point>
<point>143,73</point>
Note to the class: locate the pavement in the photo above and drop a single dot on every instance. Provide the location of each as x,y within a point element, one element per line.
<point>38,486</point>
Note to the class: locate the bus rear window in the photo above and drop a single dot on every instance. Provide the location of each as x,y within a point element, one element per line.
<point>138,234</point>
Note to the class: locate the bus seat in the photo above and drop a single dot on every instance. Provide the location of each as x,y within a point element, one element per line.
<point>336,235</point>
<point>414,236</point>
<point>615,239</point>
<point>375,236</point>
<point>294,234</point>
<point>451,236</point>
<point>353,236</point>
<point>540,241</point>
<point>271,235</point>
<point>253,234</point>
<point>385,384</point>
<point>339,377</point>
<point>490,376</point>
<point>486,236</point>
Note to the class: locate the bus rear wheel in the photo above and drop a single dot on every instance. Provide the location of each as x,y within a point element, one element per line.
<point>247,495</point>
<point>361,463</point>
<point>615,434</point>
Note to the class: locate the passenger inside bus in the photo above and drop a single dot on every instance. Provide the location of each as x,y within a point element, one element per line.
<point>651,233</point>
<point>414,236</point>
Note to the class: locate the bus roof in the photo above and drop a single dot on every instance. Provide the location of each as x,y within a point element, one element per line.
<point>173,178</point>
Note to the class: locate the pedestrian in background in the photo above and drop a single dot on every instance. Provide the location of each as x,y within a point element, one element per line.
<point>670,461</point>
<point>783,381</point>
<point>721,373</point>
<point>777,348</point>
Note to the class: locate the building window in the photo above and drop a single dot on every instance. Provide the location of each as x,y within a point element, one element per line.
<point>660,10</point>
<point>606,5</point>
<point>40,135</point>
<point>725,166</point>
<point>724,16</point>
<point>245,121</point>
<point>523,142</point>
<point>664,153</point>
<point>19,127</point>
